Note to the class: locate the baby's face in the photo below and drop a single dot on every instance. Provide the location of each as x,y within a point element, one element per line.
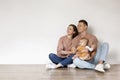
<point>83,42</point>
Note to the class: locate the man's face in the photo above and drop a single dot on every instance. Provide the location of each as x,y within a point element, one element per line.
<point>81,27</point>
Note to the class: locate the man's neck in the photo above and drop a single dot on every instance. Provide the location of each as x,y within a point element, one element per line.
<point>82,34</point>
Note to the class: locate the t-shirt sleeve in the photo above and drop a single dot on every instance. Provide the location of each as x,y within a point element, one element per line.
<point>60,46</point>
<point>61,50</point>
<point>94,43</point>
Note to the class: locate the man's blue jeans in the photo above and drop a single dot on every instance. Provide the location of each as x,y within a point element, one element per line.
<point>64,61</point>
<point>100,56</point>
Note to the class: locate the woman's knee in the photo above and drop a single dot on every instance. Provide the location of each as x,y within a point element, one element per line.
<point>51,55</point>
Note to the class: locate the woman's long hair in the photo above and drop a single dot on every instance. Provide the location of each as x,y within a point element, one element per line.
<point>75,30</point>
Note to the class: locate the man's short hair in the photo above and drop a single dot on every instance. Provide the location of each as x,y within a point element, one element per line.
<point>84,22</point>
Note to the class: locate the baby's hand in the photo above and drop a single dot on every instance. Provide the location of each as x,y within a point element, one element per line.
<point>85,50</point>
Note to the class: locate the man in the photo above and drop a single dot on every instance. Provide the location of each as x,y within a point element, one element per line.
<point>97,59</point>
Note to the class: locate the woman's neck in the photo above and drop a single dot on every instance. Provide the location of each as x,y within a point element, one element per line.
<point>69,36</point>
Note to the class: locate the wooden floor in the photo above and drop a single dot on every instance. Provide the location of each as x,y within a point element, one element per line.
<point>38,72</point>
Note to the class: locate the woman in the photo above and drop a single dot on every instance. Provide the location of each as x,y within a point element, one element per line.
<point>64,53</point>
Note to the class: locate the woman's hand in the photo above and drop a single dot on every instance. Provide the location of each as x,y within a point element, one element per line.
<point>75,56</point>
<point>73,50</point>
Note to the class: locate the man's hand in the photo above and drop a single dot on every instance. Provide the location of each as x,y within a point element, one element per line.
<point>89,58</point>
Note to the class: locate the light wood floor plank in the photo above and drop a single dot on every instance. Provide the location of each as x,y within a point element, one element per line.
<point>38,72</point>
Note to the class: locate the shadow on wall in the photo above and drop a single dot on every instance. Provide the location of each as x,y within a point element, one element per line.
<point>90,29</point>
<point>113,57</point>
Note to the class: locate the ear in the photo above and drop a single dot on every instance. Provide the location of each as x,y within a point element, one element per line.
<point>85,27</point>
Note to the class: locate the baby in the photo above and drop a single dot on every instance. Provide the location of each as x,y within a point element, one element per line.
<point>83,50</point>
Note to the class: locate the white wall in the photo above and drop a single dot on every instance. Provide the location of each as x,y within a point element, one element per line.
<point>30,29</point>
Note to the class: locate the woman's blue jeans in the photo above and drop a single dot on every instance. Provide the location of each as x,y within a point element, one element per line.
<point>64,61</point>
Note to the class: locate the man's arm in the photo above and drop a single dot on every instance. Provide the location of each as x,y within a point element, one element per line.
<point>93,45</point>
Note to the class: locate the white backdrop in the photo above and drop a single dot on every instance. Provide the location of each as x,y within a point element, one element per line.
<point>30,29</point>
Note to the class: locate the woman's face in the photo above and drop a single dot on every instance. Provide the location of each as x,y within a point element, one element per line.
<point>70,30</point>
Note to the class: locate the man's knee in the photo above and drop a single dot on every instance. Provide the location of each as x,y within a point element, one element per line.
<point>105,45</point>
<point>78,63</point>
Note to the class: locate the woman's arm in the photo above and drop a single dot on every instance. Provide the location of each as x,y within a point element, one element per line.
<point>61,50</point>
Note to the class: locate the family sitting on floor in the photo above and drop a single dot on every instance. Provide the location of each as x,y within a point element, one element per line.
<point>78,48</point>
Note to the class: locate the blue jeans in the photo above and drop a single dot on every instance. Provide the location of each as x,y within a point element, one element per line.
<point>101,55</point>
<point>64,61</point>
